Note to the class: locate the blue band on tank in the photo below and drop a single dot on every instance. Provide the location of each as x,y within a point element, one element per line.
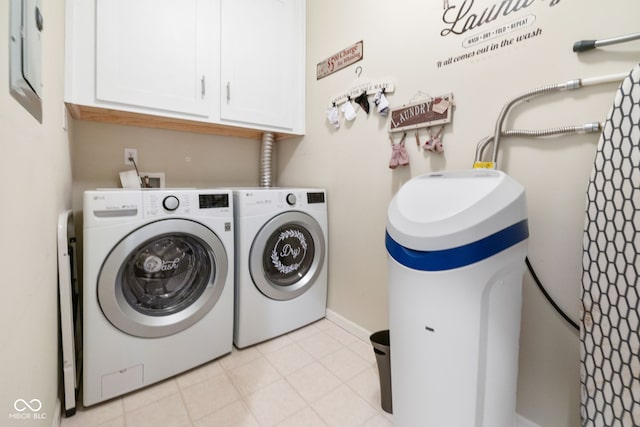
<point>460,256</point>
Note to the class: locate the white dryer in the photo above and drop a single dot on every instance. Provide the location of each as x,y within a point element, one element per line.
<point>281,261</point>
<point>158,286</point>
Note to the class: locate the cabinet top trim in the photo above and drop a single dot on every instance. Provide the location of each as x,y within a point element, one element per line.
<point>105,115</point>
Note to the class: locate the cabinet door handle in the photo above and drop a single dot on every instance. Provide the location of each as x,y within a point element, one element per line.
<point>202,87</point>
<point>228,92</point>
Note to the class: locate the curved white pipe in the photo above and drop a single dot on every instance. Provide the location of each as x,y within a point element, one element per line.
<point>610,78</point>
<point>585,45</point>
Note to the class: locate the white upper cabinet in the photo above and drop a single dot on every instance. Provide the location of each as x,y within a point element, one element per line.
<point>218,64</point>
<point>262,62</point>
<point>158,54</point>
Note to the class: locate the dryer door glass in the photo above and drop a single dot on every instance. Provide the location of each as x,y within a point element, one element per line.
<point>166,274</point>
<point>155,283</point>
<point>287,255</point>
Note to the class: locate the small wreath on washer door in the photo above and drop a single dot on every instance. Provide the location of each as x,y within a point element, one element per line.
<point>275,256</point>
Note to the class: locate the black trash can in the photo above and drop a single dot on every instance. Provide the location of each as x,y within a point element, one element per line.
<point>382,350</point>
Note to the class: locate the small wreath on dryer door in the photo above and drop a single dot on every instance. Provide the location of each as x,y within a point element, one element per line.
<point>288,250</point>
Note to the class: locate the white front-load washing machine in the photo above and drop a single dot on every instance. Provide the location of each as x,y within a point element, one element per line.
<point>281,261</point>
<point>158,285</point>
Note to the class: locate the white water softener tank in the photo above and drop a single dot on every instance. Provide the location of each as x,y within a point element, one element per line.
<point>456,243</point>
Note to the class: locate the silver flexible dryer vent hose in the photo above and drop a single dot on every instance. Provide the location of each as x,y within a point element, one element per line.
<point>266,160</point>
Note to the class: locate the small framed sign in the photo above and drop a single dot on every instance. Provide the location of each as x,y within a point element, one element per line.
<point>425,113</point>
<point>347,56</point>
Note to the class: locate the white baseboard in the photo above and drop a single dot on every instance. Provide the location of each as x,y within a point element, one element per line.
<point>364,335</point>
<point>348,325</point>
<point>523,422</point>
<point>56,420</point>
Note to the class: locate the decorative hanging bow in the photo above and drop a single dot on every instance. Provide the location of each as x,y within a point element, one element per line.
<point>399,155</point>
<point>363,101</point>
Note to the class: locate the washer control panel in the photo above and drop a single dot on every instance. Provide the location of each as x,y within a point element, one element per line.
<point>171,203</point>
<point>111,205</point>
<point>163,203</point>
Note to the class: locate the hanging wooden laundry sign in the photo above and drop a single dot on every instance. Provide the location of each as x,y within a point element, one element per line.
<point>338,61</point>
<point>425,113</point>
<point>370,87</point>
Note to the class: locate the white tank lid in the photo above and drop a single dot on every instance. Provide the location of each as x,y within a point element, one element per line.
<point>445,210</point>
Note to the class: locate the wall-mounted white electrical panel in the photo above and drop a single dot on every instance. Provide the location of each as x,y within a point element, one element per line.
<point>25,69</point>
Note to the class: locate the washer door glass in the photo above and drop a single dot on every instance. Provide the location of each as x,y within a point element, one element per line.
<point>162,278</point>
<point>166,274</point>
<point>287,255</point>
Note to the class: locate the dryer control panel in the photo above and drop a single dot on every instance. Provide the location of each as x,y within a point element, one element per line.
<point>257,201</point>
<point>315,197</point>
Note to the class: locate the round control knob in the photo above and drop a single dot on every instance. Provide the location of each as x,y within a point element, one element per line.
<point>171,203</point>
<point>291,199</point>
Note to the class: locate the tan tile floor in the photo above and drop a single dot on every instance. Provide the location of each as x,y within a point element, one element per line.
<point>319,375</point>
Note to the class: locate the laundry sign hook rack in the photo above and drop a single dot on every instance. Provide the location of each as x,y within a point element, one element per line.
<point>367,86</point>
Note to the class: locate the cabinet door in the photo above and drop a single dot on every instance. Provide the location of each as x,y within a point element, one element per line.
<point>262,62</point>
<point>157,54</point>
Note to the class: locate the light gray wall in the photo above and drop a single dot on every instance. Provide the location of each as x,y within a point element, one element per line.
<point>186,159</point>
<point>35,183</point>
<point>403,42</point>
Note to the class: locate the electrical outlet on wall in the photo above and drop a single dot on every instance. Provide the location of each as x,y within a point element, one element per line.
<point>130,153</point>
